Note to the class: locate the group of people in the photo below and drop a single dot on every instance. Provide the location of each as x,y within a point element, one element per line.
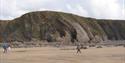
<point>6,48</point>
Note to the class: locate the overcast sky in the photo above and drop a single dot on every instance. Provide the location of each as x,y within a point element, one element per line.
<point>101,9</point>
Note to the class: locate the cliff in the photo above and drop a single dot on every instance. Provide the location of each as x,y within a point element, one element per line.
<point>56,26</point>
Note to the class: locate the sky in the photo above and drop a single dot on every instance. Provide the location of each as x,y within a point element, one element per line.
<point>100,9</point>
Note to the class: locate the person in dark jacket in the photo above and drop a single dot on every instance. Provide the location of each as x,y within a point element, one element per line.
<point>5,47</point>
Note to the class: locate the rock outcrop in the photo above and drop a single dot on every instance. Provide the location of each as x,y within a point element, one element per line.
<point>51,26</point>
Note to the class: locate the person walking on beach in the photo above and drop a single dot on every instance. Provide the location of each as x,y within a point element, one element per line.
<point>5,47</point>
<point>78,49</point>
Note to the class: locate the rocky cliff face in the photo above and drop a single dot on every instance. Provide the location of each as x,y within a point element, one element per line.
<point>57,26</point>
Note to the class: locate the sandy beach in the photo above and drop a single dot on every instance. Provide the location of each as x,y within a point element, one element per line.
<point>60,55</point>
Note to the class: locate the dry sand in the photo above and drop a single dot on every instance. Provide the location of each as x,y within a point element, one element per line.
<point>57,55</point>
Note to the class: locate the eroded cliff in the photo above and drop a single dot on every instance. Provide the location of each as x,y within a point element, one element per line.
<point>51,26</point>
